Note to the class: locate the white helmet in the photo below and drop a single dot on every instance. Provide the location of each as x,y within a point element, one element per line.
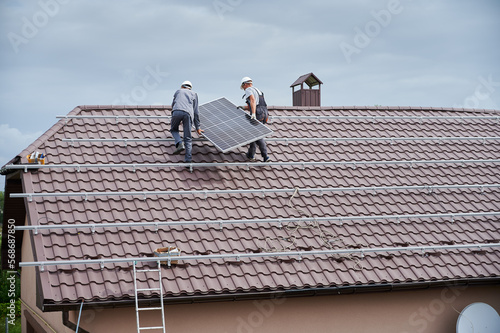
<point>187,84</point>
<point>246,79</point>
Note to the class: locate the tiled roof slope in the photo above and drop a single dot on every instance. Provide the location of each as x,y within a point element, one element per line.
<point>67,284</point>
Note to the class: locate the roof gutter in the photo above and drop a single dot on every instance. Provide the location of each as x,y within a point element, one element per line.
<point>306,292</point>
<point>66,322</point>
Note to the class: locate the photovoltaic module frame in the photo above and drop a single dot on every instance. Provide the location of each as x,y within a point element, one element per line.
<point>228,127</point>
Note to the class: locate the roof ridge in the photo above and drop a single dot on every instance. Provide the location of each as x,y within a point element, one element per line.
<point>383,108</point>
<point>117,107</point>
<point>298,108</point>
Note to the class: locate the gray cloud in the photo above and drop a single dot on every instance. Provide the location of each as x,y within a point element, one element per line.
<point>57,54</point>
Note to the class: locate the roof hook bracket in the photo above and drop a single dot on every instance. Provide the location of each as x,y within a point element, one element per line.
<point>36,230</point>
<point>134,168</point>
<point>93,229</point>
<point>102,265</point>
<point>125,142</point>
<point>156,227</point>
<point>221,225</point>
<point>429,189</point>
<point>30,198</point>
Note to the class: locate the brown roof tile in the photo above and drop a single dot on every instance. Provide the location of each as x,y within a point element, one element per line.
<point>67,284</point>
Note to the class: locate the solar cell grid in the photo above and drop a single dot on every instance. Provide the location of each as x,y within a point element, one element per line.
<point>228,127</point>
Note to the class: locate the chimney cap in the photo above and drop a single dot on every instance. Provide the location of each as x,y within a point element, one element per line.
<point>310,79</point>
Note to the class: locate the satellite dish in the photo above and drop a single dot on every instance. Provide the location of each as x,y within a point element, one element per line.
<point>478,318</point>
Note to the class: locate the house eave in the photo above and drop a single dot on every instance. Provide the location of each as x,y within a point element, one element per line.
<point>256,295</point>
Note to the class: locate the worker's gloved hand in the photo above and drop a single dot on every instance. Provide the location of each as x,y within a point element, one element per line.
<point>253,116</point>
<point>199,131</point>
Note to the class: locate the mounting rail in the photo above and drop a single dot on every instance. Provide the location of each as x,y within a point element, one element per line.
<point>239,256</point>
<point>135,166</point>
<point>262,191</point>
<point>395,218</point>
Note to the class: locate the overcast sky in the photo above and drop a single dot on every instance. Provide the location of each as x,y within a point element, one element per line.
<point>58,54</point>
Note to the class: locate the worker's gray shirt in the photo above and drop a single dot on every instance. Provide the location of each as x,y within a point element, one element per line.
<point>187,101</point>
<point>252,91</point>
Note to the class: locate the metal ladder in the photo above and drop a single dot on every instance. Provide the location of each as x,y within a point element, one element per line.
<point>160,291</point>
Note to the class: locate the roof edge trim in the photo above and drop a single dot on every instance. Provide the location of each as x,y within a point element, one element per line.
<point>306,292</point>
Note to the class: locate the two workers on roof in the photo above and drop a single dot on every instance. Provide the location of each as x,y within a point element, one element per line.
<point>185,111</point>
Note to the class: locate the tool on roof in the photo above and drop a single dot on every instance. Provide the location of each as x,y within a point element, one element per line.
<point>167,253</point>
<point>36,158</point>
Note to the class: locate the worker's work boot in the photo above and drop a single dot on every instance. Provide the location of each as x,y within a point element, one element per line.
<point>179,148</point>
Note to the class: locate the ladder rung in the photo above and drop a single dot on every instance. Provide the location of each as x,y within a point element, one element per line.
<point>151,328</point>
<point>145,309</point>
<point>146,270</point>
<point>148,289</point>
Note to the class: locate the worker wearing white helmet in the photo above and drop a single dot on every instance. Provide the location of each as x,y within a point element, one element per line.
<point>256,104</point>
<point>185,111</point>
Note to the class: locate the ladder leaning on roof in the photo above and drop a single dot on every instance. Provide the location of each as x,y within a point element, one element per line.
<point>160,292</point>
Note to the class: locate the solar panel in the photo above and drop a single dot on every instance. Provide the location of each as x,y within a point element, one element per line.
<point>228,127</point>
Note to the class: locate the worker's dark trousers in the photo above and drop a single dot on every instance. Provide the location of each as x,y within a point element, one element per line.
<point>253,147</point>
<point>183,117</point>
